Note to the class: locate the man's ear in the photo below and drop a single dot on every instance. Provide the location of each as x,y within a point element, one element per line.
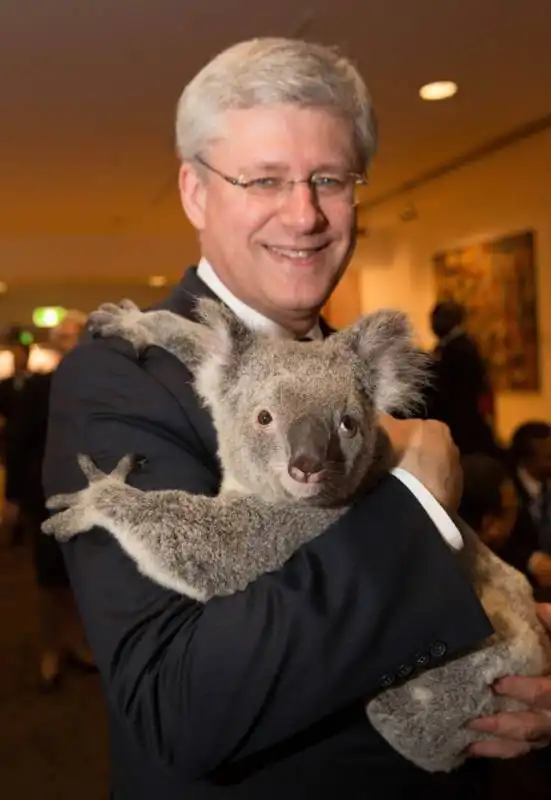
<point>193,194</point>
<point>393,370</point>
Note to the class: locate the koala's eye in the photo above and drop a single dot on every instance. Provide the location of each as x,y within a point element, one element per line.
<point>348,426</point>
<point>264,418</point>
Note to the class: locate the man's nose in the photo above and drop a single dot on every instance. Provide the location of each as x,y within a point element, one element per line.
<point>300,209</point>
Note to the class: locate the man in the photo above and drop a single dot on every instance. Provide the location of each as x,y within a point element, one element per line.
<point>60,633</point>
<point>530,455</point>
<point>10,395</point>
<point>461,389</point>
<point>261,694</point>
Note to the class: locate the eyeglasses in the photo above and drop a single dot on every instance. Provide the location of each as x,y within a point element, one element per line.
<point>324,186</point>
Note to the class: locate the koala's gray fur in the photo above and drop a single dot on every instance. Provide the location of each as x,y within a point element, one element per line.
<point>323,398</point>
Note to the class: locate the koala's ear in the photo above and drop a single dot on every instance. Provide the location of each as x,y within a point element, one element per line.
<point>393,369</point>
<point>220,340</point>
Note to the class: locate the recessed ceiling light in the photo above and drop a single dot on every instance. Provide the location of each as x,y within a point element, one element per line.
<point>157,281</point>
<point>439,90</point>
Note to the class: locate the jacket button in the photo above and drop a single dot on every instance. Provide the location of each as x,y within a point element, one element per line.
<point>386,681</point>
<point>405,670</point>
<point>422,659</point>
<point>438,649</point>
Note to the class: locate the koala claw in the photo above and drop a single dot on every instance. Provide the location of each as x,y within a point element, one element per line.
<point>124,320</point>
<point>76,510</point>
<point>94,474</point>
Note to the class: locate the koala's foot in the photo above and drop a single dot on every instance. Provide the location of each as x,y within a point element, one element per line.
<point>124,320</point>
<point>83,510</point>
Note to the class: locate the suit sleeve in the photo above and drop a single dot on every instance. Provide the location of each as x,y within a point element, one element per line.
<point>202,686</point>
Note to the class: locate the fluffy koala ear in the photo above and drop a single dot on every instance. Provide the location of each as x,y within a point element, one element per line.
<point>220,340</point>
<point>393,369</point>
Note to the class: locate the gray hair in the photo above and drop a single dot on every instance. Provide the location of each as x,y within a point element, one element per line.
<point>273,71</point>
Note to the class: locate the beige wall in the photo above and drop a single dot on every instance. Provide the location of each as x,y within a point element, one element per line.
<point>507,192</point>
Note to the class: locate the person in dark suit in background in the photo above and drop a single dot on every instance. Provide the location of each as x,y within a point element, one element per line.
<point>59,628</point>
<point>262,694</point>
<point>461,392</point>
<point>489,502</point>
<point>530,461</point>
<point>10,397</point>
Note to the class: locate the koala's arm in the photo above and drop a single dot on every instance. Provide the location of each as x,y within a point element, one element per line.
<point>197,545</point>
<point>361,599</point>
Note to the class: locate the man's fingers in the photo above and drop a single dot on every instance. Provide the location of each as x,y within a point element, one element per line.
<point>518,726</point>
<point>544,612</point>
<point>498,748</point>
<point>535,692</point>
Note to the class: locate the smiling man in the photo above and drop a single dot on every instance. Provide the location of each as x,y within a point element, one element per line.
<point>261,694</point>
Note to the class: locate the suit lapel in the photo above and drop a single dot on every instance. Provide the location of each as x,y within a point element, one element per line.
<point>174,376</point>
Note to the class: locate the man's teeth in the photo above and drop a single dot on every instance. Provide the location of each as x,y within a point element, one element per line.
<point>293,253</point>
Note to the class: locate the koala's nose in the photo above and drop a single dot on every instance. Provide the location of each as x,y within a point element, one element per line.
<point>306,469</point>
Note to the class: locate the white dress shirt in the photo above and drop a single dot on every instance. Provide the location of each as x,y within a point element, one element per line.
<point>253,319</point>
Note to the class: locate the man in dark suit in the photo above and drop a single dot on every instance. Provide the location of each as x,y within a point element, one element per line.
<point>59,629</point>
<point>461,388</point>
<point>261,694</point>
<point>530,457</point>
<point>10,396</point>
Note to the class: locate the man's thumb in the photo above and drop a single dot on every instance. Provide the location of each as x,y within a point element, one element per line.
<point>544,613</point>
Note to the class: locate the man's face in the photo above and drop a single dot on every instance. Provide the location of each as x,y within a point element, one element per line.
<point>283,254</point>
<point>66,335</point>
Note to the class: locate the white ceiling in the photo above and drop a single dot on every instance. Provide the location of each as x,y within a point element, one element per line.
<point>88,90</point>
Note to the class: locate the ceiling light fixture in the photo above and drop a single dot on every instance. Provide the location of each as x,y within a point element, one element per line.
<point>439,90</point>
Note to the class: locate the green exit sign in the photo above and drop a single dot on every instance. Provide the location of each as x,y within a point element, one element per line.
<point>48,316</point>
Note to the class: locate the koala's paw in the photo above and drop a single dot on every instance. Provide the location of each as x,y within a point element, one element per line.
<point>81,511</point>
<point>124,320</point>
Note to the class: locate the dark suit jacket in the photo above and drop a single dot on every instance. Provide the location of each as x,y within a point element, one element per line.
<point>524,540</point>
<point>261,694</point>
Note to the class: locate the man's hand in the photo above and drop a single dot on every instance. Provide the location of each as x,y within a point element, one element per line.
<point>426,449</point>
<point>540,567</point>
<point>521,731</point>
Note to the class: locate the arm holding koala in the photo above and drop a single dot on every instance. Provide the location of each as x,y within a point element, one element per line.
<point>194,544</point>
<point>354,600</point>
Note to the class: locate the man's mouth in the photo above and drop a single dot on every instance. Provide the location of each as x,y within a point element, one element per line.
<point>295,253</point>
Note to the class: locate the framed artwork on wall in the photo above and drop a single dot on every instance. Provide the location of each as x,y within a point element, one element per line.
<point>496,282</point>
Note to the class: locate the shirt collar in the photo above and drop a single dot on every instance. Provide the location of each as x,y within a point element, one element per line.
<point>250,316</point>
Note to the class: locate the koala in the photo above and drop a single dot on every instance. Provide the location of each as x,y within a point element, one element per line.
<point>298,441</point>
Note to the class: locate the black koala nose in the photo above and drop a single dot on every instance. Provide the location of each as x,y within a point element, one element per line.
<point>306,469</point>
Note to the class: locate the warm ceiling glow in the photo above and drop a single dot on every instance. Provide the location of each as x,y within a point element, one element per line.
<point>3,287</point>
<point>157,281</point>
<point>439,90</point>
